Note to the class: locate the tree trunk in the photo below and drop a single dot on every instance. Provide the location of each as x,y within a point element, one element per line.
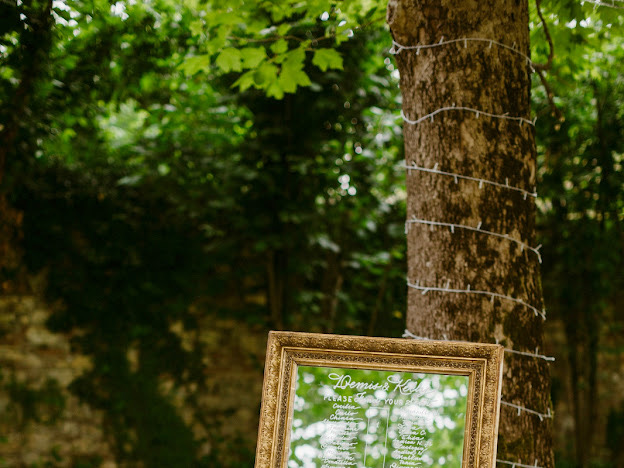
<point>276,266</point>
<point>34,41</point>
<point>493,79</point>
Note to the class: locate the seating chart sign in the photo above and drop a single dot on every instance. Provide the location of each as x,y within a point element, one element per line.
<point>336,401</point>
<point>358,418</point>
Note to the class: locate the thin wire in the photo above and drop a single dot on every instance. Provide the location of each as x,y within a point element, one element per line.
<point>514,464</point>
<point>435,170</point>
<point>409,334</point>
<point>521,120</point>
<point>541,416</point>
<point>452,226</point>
<point>397,48</point>
<point>426,289</point>
<point>535,354</point>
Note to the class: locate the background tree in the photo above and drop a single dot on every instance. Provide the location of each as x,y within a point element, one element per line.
<point>26,33</point>
<point>580,211</point>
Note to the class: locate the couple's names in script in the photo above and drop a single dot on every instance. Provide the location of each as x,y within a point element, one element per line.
<point>392,384</point>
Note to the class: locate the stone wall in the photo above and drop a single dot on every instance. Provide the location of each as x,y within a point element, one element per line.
<point>226,406</point>
<point>40,420</point>
<point>43,423</point>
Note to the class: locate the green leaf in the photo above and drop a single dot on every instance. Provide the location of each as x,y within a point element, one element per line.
<point>327,58</point>
<point>283,29</point>
<point>279,47</point>
<point>275,90</point>
<point>148,82</point>
<point>229,60</point>
<point>196,27</point>
<point>194,64</point>
<point>289,79</point>
<point>253,56</point>
<point>255,26</point>
<point>215,44</point>
<point>218,39</point>
<point>245,81</point>
<point>292,74</point>
<point>225,17</point>
<point>294,59</point>
<point>279,12</point>
<point>265,74</point>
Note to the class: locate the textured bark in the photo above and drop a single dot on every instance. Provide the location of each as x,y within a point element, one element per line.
<point>493,80</point>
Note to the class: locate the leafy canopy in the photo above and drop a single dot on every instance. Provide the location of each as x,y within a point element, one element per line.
<point>273,43</point>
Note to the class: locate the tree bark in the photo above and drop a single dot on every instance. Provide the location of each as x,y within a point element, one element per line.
<point>492,79</point>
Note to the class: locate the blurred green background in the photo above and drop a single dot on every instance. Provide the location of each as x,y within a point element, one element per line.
<point>160,222</point>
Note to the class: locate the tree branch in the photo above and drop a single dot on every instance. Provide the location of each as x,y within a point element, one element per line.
<point>296,38</point>
<point>544,66</point>
<point>549,95</point>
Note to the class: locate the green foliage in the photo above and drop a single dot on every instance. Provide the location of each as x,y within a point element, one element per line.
<point>230,60</point>
<point>284,31</point>
<point>581,207</point>
<point>327,58</point>
<point>146,192</point>
<point>195,64</point>
<point>171,154</point>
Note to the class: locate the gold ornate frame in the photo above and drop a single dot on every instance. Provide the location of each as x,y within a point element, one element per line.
<point>482,363</point>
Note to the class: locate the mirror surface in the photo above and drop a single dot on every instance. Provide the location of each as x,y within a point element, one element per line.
<point>358,418</point>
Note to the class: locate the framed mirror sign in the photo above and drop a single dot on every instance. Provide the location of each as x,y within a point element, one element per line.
<point>332,401</point>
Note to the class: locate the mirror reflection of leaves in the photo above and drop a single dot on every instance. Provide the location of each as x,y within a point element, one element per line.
<point>347,418</point>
